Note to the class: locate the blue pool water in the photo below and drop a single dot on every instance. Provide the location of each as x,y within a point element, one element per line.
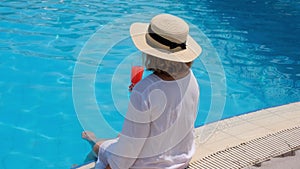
<point>255,42</point>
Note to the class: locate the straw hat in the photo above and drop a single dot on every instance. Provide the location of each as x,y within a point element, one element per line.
<point>166,37</point>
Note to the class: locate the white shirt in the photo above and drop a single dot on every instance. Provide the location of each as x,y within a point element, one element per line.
<point>158,129</point>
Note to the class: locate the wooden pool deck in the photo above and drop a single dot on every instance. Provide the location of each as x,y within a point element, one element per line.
<point>246,140</point>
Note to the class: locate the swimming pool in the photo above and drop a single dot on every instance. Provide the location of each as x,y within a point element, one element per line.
<point>256,42</point>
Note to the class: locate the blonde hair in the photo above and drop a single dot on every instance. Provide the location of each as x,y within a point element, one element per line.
<point>166,67</point>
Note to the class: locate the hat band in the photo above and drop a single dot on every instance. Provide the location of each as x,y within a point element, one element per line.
<point>164,41</point>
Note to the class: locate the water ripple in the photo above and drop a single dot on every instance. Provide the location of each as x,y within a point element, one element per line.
<point>27,131</point>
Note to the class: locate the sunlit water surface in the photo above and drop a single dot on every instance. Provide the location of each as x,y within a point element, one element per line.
<point>257,43</point>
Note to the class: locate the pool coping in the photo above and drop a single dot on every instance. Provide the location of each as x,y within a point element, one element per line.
<point>232,132</point>
<point>238,130</point>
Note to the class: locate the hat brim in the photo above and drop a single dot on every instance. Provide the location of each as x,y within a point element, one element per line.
<point>138,34</point>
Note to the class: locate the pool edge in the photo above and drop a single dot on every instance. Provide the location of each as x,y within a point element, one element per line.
<point>231,132</point>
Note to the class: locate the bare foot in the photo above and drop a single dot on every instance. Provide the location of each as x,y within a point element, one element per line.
<point>89,136</point>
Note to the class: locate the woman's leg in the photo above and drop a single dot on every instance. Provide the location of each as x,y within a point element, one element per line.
<point>96,146</point>
<point>91,138</point>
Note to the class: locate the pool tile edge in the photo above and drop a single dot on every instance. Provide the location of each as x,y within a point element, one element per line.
<point>261,125</point>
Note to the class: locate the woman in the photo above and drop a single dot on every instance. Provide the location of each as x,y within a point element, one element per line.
<point>158,129</point>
